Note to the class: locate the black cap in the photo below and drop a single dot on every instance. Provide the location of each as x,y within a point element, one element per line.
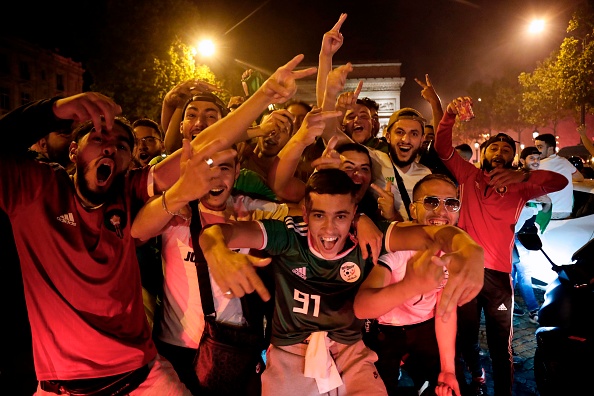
<point>208,97</point>
<point>501,137</point>
<point>529,151</point>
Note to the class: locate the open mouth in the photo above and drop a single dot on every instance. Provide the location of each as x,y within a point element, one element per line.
<point>405,149</point>
<point>357,128</point>
<point>215,192</point>
<point>328,242</point>
<point>104,171</point>
<point>143,156</point>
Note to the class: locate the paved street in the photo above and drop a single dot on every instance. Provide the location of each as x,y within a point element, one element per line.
<point>524,344</point>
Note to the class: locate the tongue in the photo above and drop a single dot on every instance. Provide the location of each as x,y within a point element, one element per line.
<point>328,245</point>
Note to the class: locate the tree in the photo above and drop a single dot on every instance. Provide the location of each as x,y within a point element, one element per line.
<point>134,47</point>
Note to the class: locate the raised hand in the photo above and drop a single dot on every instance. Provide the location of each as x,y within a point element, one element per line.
<point>337,79</point>
<point>333,39</point>
<point>347,100</point>
<point>330,158</point>
<point>454,104</point>
<point>385,202</point>
<point>428,93</point>
<point>88,106</point>
<point>183,91</point>
<point>279,120</point>
<point>281,86</point>
<point>313,125</point>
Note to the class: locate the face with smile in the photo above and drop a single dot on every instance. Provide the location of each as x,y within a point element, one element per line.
<point>405,138</point>
<point>198,116</point>
<point>329,218</point>
<point>498,155</point>
<point>440,215</point>
<point>217,197</point>
<point>101,160</point>
<point>358,124</point>
<point>272,143</point>
<point>531,162</point>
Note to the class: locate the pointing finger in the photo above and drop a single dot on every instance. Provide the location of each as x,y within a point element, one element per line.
<point>359,88</point>
<point>338,24</point>
<point>428,80</point>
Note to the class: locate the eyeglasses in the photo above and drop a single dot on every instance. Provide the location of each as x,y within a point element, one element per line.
<point>148,140</point>
<point>432,203</point>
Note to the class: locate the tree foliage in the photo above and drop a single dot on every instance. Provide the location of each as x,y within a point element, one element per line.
<point>141,54</point>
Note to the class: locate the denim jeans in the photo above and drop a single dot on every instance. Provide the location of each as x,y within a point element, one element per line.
<point>522,279</point>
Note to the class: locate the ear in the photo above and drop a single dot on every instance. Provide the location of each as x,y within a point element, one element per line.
<point>73,151</point>
<point>237,169</point>
<point>413,211</point>
<point>304,211</point>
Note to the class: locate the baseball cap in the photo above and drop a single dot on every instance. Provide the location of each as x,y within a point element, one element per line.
<point>501,137</point>
<point>208,97</point>
<point>529,151</point>
<point>407,113</point>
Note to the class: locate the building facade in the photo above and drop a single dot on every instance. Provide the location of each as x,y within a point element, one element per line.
<point>29,73</point>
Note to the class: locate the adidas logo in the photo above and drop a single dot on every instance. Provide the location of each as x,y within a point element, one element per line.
<point>502,307</point>
<point>67,218</point>
<point>300,272</point>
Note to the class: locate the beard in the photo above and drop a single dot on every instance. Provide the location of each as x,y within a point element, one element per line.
<point>98,197</point>
<point>488,167</point>
<point>400,163</point>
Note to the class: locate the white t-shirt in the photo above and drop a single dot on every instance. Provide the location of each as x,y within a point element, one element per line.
<point>383,170</point>
<point>183,321</point>
<point>562,200</point>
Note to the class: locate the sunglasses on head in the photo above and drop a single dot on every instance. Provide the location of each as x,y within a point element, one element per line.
<point>432,203</point>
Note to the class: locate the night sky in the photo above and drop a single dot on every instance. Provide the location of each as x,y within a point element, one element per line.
<point>455,41</point>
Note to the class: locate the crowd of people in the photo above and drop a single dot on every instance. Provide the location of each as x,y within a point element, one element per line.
<point>354,252</point>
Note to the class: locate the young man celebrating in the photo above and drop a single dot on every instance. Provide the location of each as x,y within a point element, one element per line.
<point>316,341</point>
<point>493,197</point>
<point>406,328</point>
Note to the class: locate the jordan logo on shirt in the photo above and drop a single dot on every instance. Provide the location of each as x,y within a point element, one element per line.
<point>67,218</point>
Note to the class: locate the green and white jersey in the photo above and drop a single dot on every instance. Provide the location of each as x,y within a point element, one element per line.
<point>312,293</point>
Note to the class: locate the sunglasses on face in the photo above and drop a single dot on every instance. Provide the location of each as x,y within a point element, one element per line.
<point>432,203</point>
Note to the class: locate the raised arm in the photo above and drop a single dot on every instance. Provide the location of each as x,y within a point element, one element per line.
<point>279,88</point>
<point>428,93</point>
<point>195,181</point>
<point>331,42</point>
<point>586,140</point>
<point>464,258</point>
<point>281,173</point>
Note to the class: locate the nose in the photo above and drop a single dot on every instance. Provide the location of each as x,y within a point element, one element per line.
<point>406,138</point>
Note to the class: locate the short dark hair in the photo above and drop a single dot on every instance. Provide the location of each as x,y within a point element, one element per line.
<point>352,146</point>
<point>86,127</point>
<point>147,122</point>
<point>305,105</point>
<point>465,148</point>
<point>369,103</point>
<point>330,181</point>
<point>548,138</point>
<point>430,177</point>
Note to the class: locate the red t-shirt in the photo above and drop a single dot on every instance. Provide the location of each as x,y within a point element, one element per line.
<point>80,272</point>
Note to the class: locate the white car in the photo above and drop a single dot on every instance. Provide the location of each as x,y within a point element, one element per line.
<point>562,238</point>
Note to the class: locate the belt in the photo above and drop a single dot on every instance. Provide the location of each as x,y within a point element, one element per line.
<point>114,385</point>
<point>384,327</point>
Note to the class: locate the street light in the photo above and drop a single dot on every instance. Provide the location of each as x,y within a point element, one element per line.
<point>536,26</point>
<point>206,48</point>
<point>476,150</point>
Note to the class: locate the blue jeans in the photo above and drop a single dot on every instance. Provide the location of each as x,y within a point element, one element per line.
<point>522,279</point>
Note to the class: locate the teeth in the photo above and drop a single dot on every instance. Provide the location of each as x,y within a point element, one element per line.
<point>438,222</point>
<point>329,239</point>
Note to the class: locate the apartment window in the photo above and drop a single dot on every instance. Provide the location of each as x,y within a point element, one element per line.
<point>4,98</point>
<point>25,97</point>
<point>24,71</point>
<point>60,82</point>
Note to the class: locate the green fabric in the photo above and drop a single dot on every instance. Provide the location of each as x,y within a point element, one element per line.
<point>543,217</point>
<point>252,184</point>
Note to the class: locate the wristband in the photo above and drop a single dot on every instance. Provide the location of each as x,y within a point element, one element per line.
<point>178,213</point>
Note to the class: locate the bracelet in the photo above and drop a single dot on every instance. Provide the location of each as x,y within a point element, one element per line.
<point>178,213</point>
